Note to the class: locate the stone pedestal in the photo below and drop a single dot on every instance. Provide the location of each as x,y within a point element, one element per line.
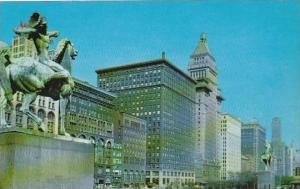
<point>265,180</point>
<point>35,160</point>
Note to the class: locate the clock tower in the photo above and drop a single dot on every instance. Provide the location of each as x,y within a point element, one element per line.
<point>202,68</point>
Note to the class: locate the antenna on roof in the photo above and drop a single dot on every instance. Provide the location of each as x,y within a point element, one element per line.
<point>163,55</point>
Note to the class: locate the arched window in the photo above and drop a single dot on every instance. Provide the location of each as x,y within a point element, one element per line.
<point>41,114</point>
<point>8,115</point>
<point>82,136</point>
<point>51,121</point>
<point>99,155</point>
<point>108,145</point>
<point>30,122</point>
<point>101,142</point>
<point>19,115</point>
<point>126,176</point>
<point>92,139</point>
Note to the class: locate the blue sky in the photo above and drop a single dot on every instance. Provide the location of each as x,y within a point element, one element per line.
<point>256,45</point>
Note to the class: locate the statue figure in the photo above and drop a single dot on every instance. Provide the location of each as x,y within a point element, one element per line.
<point>37,31</point>
<point>267,156</point>
<point>43,77</point>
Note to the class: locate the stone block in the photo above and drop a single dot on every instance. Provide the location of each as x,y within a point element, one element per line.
<point>35,160</point>
<point>265,180</point>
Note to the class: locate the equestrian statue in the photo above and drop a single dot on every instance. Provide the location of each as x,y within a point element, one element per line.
<point>266,157</point>
<point>42,76</point>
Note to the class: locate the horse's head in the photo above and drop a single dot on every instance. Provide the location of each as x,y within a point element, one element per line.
<point>65,47</point>
<point>5,53</point>
<point>73,52</point>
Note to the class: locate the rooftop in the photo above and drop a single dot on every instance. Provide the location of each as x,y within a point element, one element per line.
<point>232,116</point>
<point>202,48</point>
<point>253,124</point>
<point>143,64</point>
<point>93,87</point>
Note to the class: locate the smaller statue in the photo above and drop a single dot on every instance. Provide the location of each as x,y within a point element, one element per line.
<point>266,157</point>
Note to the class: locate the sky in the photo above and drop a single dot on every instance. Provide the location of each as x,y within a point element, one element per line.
<point>256,45</point>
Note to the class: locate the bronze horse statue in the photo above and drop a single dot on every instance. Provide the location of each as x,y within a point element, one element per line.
<point>32,78</point>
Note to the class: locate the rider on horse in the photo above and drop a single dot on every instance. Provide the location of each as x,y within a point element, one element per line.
<point>37,31</point>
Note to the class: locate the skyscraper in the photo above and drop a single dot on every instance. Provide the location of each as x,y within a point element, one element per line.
<point>202,68</point>
<point>164,96</point>
<point>276,130</point>
<point>296,162</point>
<point>278,148</point>
<point>230,149</point>
<point>288,160</point>
<point>253,144</point>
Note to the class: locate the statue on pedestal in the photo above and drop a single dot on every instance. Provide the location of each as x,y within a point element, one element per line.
<point>266,157</point>
<point>44,76</point>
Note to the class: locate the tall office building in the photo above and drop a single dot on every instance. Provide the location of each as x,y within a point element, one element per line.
<point>90,116</point>
<point>202,68</point>
<point>288,161</point>
<point>278,148</point>
<point>296,162</point>
<point>253,144</point>
<point>163,95</point>
<point>130,132</point>
<point>276,129</point>
<point>230,149</point>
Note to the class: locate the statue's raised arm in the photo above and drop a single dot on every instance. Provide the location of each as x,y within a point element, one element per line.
<point>37,30</point>
<point>53,34</point>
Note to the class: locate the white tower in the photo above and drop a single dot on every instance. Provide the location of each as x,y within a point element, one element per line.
<point>202,68</point>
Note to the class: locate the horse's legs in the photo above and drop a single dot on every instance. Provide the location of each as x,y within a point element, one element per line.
<point>63,104</point>
<point>3,103</point>
<point>28,99</point>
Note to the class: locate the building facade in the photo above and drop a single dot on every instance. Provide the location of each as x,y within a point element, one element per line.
<point>21,46</point>
<point>202,68</point>
<point>44,107</point>
<point>289,161</point>
<point>163,95</point>
<point>276,130</point>
<point>230,149</point>
<point>130,132</point>
<point>278,148</point>
<point>296,162</point>
<point>245,164</point>
<point>283,154</point>
<point>90,116</point>
<point>253,144</point>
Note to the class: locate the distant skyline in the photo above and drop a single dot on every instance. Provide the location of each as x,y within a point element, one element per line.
<point>256,45</point>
